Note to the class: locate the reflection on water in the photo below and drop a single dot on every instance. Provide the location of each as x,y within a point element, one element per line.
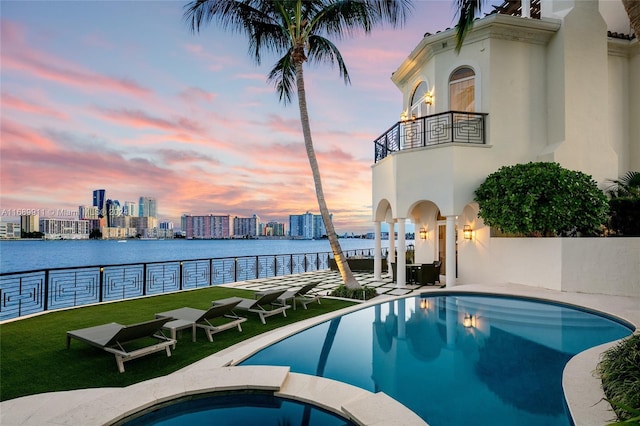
<point>454,360</point>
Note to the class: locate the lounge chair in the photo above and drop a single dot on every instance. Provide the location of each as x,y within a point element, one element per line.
<point>258,306</point>
<point>198,318</point>
<point>114,337</point>
<point>304,296</point>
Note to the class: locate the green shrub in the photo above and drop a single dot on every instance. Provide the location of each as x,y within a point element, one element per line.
<point>619,370</point>
<point>542,199</point>
<point>364,293</point>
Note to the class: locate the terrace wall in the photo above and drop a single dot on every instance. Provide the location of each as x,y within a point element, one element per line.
<point>587,265</point>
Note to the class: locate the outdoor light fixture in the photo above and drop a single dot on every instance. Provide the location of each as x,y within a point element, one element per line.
<point>467,232</point>
<point>423,233</point>
<point>424,304</point>
<point>403,116</point>
<point>428,98</point>
<point>469,321</point>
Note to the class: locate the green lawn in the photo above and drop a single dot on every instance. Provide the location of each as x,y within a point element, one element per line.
<point>34,358</point>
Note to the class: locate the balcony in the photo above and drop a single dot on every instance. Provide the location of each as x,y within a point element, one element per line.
<point>437,129</point>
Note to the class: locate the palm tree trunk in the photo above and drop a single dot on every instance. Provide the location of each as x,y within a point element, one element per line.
<point>345,272</point>
<point>633,11</point>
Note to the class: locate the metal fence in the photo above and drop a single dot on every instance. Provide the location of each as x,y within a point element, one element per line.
<point>31,292</point>
<point>436,129</point>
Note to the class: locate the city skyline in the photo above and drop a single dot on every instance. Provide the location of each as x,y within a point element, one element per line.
<point>122,94</point>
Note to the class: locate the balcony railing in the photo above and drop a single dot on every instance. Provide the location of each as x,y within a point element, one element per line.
<point>32,292</point>
<point>436,129</point>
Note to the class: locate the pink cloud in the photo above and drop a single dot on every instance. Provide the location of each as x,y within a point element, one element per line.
<point>140,119</point>
<point>195,94</point>
<point>16,134</point>
<point>18,56</point>
<point>12,102</point>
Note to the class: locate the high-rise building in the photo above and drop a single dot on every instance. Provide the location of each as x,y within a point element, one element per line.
<point>319,230</point>
<point>87,212</point>
<point>113,210</point>
<point>130,208</point>
<point>148,207</point>
<point>206,227</point>
<point>64,229</point>
<point>273,229</point>
<point>246,226</point>
<point>307,226</point>
<point>98,201</point>
<point>30,223</point>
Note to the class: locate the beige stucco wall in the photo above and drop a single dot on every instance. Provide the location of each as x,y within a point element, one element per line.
<point>585,265</point>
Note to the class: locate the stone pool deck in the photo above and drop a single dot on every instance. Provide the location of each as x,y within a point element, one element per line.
<point>216,372</point>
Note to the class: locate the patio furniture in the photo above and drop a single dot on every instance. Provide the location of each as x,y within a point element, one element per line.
<point>193,318</point>
<point>429,273</point>
<point>304,296</point>
<point>258,306</point>
<point>358,265</point>
<point>115,338</point>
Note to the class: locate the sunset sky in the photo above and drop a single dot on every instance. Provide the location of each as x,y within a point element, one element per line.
<point>120,95</point>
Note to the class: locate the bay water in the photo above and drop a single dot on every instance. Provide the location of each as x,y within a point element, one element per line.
<point>28,255</point>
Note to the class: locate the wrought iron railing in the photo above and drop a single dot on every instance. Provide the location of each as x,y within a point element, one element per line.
<point>32,292</point>
<point>437,129</point>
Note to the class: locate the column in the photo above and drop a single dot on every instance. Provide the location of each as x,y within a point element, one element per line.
<point>450,243</point>
<point>377,254</point>
<point>526,8</point>
<point>392,246</point>
<point>401,258</point>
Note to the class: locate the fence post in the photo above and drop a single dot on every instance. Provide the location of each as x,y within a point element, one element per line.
<point>101,285</point>
<point>46,292</point>
<point>257,267</point>
<point>275,265</point>
<point>180,278</point>
<point>211,276</point>
<point>144,279</point>
<point>235,270</point>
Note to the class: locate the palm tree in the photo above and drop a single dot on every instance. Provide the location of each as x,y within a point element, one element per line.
<point>625,186</point>
<point>468,10</point>
<point>299,30</point>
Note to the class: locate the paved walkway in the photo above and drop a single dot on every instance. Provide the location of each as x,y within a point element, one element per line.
<point>327,281</point>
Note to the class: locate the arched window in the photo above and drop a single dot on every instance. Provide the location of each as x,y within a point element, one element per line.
<point>418,106</point>
<point>462,89</point>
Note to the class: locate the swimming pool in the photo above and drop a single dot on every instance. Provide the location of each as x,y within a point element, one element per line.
<point>238,408</point>
<point>453,359</point>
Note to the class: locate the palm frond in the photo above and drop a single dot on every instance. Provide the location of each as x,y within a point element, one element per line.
<point>283,77</point>
<point>321,50</point>
<point>627,185</point>
<point>468,10</point>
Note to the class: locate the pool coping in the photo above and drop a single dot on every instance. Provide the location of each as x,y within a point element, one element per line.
<point>582,388</point>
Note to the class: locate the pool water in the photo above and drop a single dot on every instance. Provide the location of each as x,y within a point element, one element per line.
<point>236,409</point>
<point>454,359</point>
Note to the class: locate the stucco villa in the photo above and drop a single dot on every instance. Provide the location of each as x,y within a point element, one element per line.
<point>553,80</point>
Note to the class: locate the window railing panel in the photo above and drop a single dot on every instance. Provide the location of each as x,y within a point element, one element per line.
<point>437,129</point>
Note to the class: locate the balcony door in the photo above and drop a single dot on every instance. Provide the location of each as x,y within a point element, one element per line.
<point>462,90</point>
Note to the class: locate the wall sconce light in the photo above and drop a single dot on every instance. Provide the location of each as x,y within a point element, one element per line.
<point>467,232</point>
<point>469,321</point>
<point>424,234</point>
<point>404,116</point>
<point>428,98</point>
<point>424,304</point>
